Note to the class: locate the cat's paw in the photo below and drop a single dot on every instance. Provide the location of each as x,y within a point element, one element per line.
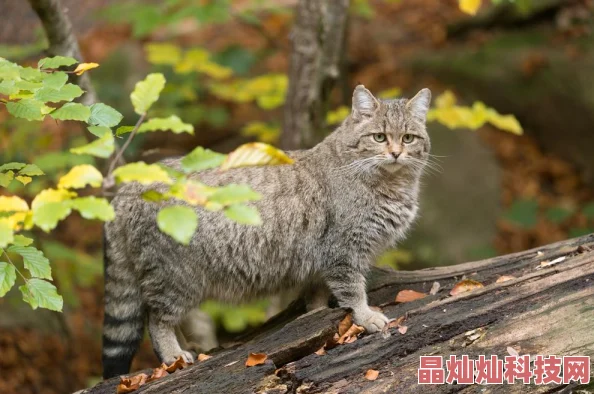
<point>371,320</point>
<point>187,356</point>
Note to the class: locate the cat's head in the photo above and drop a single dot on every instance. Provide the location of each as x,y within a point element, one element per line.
<point>388,134</point>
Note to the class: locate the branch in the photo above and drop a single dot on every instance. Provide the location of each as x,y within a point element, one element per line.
<point>62,41</point>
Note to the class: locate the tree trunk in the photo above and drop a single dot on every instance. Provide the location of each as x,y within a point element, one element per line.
<point>545,309</point>
<point>318,47</point>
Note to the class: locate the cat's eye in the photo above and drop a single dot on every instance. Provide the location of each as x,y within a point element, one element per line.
<point>408,138</point>
<point>379,137</point>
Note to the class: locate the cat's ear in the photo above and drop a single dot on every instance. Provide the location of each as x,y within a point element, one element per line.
<point>419,105</point>
<point>364,104</point>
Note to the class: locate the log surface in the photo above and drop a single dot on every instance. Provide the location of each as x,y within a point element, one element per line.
<point>546,310</point>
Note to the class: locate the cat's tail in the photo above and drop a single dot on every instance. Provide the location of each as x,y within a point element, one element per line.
<point>123,324</point>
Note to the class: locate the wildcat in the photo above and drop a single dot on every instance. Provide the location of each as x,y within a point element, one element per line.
<point>326,217</point>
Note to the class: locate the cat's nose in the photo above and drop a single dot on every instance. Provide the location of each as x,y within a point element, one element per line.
<point>395,155</point>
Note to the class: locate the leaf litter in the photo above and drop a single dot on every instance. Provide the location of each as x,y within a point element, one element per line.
<point>132,383</point>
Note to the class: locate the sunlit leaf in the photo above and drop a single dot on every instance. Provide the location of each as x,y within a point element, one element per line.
<point>162,53</point>
<point>34,261</point>
<point>67,92</point>
<point>13,204</point>
<point>94,208</point>
<point>104,115</point>
<point>7,277</point>
<point>147,92</point>
<point>81,176</point>
<point>445,100</point>
<point>55,80</point>
<point>82,67</point>
<point>124,130</point>
<point>172,123</point>
<point>469,6</point>
<point>201,159</point>
<point>243,214</point>
<point>48,215</point>
<point>142,173</point>
<point>31,170</point>
<point>6,234</point>
<point>390,93</point>
<point>56,61</point>
<point>264,132</point>
<point>21,240</point>
<point>338,115</point>
<point>253,154</point>
<point>51,195</point>
<point>28,108</point>
<point>234,194</point>
<point>180,222</point>
<point>12,166</point>
<point>72,111</point>
<point>191,60</point>
<point>6,178</point>
<point>102,147</point>
<point>7,88</point>
<point>41,294</point>
<point>25,180</point>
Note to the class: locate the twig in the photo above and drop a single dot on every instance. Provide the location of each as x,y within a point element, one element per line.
<point>15,267</point>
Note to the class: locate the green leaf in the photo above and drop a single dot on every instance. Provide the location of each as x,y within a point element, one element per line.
<point>72,111</point>
<point>7,277</point>
<point>12,166</point>
<point>523,213</point>
<point>172,123</point>
<point>32,74</point>
<point>243,214</point>
<point>56,61</point>
<point>55,80</point>
<point>9,70</point>
<point>31,170</point>
<point>147,92</point>
<point>49,214</point>
<point>233,194</point>
<point>7,88</point>
<point>29,109</point>
<point>124,130</point>
<point>588,210</point>
<point>34,260</point>
<point>28,85</point>
<point>6,178</point>
<point>104,115</point>
<point>40,293</point>
<point>102,147</point>
<point>6,234</point>
<point>99,131</point>
<point>179,222</point>
<point>142,173</point>
<point>94,208</point>
<point>558,215</point>
<point>21,240</point>
<point>201,159</point>
<point>66,93</point>
<point>154,196</point>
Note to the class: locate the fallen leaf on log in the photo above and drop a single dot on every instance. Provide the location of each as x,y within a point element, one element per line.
<point>434,288</point>
<point>203,357</point>
<point>127,385</point>
<point>352,332</point>
<point>321,351</point>
<point>409,295</point>
<point>180,363</point>
<point>504,278</point>
<point>345,324</point>
<point>255,359</point>
<point>158,373</point>
<point>402,329</point>
<point>465,286</point>
<point>371,374</point>
<point>396,322</point>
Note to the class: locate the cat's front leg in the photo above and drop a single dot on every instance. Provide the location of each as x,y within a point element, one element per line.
<point>349,290</point>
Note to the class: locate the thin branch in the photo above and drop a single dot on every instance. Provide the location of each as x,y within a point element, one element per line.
<point>15,267</point>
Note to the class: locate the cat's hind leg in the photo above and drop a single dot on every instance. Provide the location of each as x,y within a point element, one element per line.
<point>164,340</point>
<point>199,331</point>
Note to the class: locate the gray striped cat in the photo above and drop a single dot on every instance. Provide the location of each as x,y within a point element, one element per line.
<point>325,219</point>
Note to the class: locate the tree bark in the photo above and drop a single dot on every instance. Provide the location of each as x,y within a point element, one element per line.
<point>62,41</point>
<point>544,309</point>
<point>318,47</point>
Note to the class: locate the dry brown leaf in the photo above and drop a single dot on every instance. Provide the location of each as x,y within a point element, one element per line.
<point>396,322</point>
<point>465,286</point>
<point>409,295</point>
<point>203,357</point>
<point>180,363</point>
<point>353,331</point>
<point>435,288</point>
<point>321,351</point>
<point>158,373</point>
<point>402,329</point>
<point>255,359</point>
<point>127,385</point>
<point>371,374</point>
<point>345,324</point>
<point>504,278</point>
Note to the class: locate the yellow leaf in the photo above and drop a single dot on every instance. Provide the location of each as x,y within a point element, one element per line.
<point>338,115</point>
<point>142,173</point>
<point>81,176</point>
<point>14,221</point>
<point>191,60</point>
<point>255,154</point>
<point>390,93</point>
<point>51,195</point>
<point>163,53</point>
<point>469,6</point>
<point>262,131</point>
<point>214,70</point>
<point>505,122</point>
<point>13,204</point>
<point>81,68</point>
<point>23,179</point>
<point>445,100</point>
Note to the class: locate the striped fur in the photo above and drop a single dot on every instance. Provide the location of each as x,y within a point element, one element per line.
<point>325,219</point>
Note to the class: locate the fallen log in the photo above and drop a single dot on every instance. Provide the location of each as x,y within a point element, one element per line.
<point>545,306</point>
